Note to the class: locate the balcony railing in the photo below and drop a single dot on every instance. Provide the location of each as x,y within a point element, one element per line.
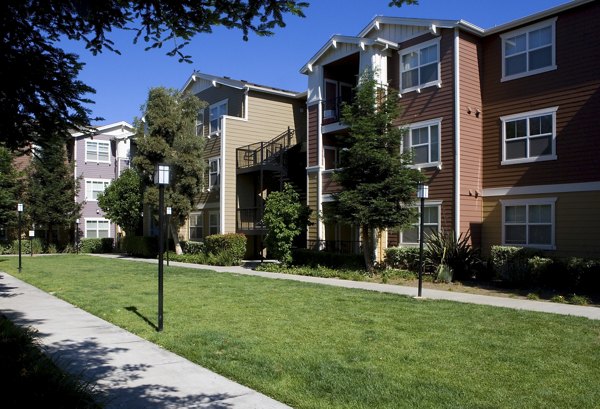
<point>332,109</point>
<point>335,246</point>
<point>250,219</point>
<point>264,152</point>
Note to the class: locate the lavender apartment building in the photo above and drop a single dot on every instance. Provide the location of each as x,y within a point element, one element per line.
<point>99,159</point>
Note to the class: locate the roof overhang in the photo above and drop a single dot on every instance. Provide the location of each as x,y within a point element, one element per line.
<point>125,128</point>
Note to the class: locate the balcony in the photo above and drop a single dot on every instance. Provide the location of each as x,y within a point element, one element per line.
<point>249,220</point>
<point>265,154</point>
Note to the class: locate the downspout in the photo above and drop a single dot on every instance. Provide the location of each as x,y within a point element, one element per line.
<point>456,134</point>
<point>320,227</point>
<point>222,177</point>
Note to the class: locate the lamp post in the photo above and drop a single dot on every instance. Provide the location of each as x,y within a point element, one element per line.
<point>77,236</point>
<point>422,193</point>
<point>161,178</point>
<point>169,211</point>
<point>31,236</point>
<point>20,211</point>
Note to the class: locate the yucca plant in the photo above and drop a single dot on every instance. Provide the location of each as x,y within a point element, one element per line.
<point>445,249</point>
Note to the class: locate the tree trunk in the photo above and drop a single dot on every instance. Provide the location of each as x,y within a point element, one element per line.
<point>175,237</point>
<point>367,246</point>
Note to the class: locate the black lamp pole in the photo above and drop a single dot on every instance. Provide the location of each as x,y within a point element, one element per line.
<point>422,193</point>
<point>77,236</point>
<point>168,231</point>
<point>161,178</point>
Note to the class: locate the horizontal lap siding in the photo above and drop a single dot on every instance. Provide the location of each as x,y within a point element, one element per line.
<point>268,116</point>
<point>313,135</point>
<point>311,201</point>
<point>329,185</point>
<point>574,87</point>
<point>471,145</point>
<point>432,103</point>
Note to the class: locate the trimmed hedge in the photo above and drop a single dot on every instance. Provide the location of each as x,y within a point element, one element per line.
<point>527,267</point>
<point>140,246</point>
<point>316,258</point>
<point>192,247</point>
<point>26,244</point>
<point>103,245</point>
<point>405,258</point>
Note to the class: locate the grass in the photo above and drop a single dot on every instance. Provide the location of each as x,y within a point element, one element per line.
<point>314,346</point>
<point>30,379</point>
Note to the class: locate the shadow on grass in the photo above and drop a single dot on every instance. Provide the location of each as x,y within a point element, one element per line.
<point>146,320</point>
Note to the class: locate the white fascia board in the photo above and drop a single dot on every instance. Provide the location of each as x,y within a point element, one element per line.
<point>418,22</point>
<point>264,90</point>
<point>125,127</point>
<point>536,16</point>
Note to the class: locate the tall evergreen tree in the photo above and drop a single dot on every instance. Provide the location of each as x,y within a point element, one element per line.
<point>51,190</point>
<point>168,134</point>
<point>121,201</point>
<point>378,184</point>
<point>9,190</point>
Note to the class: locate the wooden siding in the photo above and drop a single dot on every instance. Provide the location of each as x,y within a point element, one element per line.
<point>312,193</point>
<point>313,135</point>
<point>574,87</point>
<point>268,116</point>
<point>576,223</point>
<point>471,145</point>
<point>432,103</point>
<point>397,33</point>
<point>329,185</point>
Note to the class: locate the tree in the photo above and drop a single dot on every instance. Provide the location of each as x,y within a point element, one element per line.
<point>285,217</point>
<point>168,134</point>
<point>9,189</point>
<point>40,94</point>
<point>378,184</point>
<point>52,189</point>
<point>121,201</point>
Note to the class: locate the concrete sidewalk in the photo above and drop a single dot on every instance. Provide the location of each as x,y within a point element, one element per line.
<point>129,371</point>
<point>514,303</point>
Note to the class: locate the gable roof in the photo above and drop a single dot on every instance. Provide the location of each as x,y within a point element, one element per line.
<point>120,130</point>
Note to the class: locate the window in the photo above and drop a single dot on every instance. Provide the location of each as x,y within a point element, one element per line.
<point>93,187</point>
<point>431,224</point>
<point>528,223</point>
<point>336,93</point>
<point>216,113</point>
<point>528,51</point>
<point>423,139</point>
<point>213,171</point>
<point>97,228</point>
<point>419,66</point>
<point>200,123</point>
<point>529,137</point>
<point>213,222</point>
<point>97,151</point>
<point>196,226</point>
<point>331,157</point>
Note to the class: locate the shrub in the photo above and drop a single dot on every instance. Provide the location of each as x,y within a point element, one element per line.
<point>406,258</point>
<point>511,264</point>
<point>226,249</point>
<point>457,253</point>
<point>26,244</point>
<point>579,299</point>
<point>193,247</point>
<point>96,245</point>
<point>138,246</point>
<point>315,258</point>
<point>313,271</point>
<point>199,258</point>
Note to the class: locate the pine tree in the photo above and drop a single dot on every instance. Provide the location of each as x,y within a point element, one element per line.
<point>51,190</point>
<point>378,184</point>
<point>9,190</point>
<point>168,134</point>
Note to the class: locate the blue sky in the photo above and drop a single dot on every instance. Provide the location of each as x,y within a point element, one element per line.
<point>122,81</point>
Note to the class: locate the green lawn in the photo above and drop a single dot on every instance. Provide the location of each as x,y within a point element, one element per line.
<point>314,346</point>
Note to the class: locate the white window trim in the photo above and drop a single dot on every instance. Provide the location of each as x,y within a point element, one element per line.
<point>417,47</point>
<point>428,123</point>
<point>428,203</point>
<point>200,122</point>
<point>217,132</point>
<point>336,160</point>
<point>218,160</point>
<point>104,181</point>
<point>526,202</point>
<point>504,36</point>
<point>97,150</point>
<point>96,219</point>
<point>526,115</point>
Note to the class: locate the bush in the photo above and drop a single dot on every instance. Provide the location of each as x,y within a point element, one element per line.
<point>456,253</point>
<point>199,258</point>
<point>405,258</point>
<point>26,244</point>
<point>225,249</point>
<point>96,245</point>
<point>511,264</point>
<point>313,271</point>
<point>316,258</point>
<point>138,246</point>
<point>193,247</point>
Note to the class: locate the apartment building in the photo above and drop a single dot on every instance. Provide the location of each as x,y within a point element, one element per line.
<point>99,159</point>
<point>502,122</point>
<point>255,142</point>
